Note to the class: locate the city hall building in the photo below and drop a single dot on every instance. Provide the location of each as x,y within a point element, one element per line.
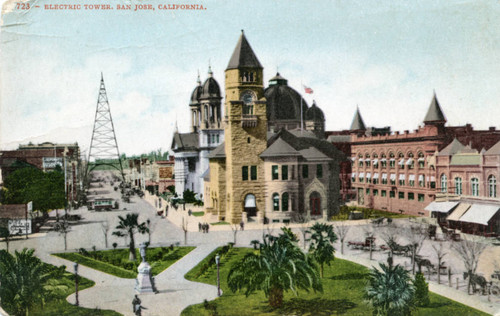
<point>267,168</point>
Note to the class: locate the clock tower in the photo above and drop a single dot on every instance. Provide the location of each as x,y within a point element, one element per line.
<point>245,134</point>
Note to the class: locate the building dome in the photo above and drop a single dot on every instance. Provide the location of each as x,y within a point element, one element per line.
<point>314,113</point>
<point>210,88</point>
<point>195,96</point>
<point>283,102</point>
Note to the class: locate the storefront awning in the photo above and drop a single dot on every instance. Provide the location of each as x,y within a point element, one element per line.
<point>250,200</point>
<point>441,207</point>
<point>458,212</point>
<point>480,214</point>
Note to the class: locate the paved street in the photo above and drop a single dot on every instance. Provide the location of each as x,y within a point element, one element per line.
<point>176,293</point>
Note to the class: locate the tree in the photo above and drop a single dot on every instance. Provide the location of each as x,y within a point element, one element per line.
<point>189,196</point>
<point>390,236</point>
<point>390,290</point>
<point>440,253</point>
<point>469,251</point>
<point>416,234</point>
<point>5,234</point>
<point>184,226</point>
<point>370,235</point>
<point>421,291</point>
<point>105,229</point>
<point>63,229</point>
<point>151,226</point>
<point>129,226</point>
<point>23,277</point>
<point>322,239</point>
<point>342,229</point>
<point>303,219</point>
<point>279,266</point>
<point>235,228</point>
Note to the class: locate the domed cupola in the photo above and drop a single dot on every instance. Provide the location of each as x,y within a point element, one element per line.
<point>283,103</point>
<point>314,113</point>
<point>210,88</point>
<point>195,96</point>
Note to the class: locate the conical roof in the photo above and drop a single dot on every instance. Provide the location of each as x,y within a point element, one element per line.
<point>454,147</point>
<point>434,114</point>
<point>357,122</point>
<point>243,55</point>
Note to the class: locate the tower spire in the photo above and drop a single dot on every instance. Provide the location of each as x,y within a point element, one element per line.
<point>357,122</point>
<point>103,145</point>
<point>243,55</point>
<point>434,113</point>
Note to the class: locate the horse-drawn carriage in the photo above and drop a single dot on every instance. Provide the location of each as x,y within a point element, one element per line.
<point>364,245</point>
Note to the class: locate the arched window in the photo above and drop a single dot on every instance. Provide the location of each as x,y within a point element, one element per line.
<point>458,186</point>
<point>492,184</point>
<point>284,202</point>
<point>444,183</point>
<point>276,202</point>
<point>474,183</point>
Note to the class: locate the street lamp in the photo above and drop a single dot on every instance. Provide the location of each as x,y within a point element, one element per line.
<point>217,260</point>
<point>75,265</point>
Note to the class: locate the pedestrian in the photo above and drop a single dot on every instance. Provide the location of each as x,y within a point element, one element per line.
<point>242,225</point>
<point>136,302</point>
<point>199,227</point>
<point>190,212</point>
<point>208,227</point>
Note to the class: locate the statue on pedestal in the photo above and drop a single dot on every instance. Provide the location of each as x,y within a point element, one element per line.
<point>144,282</point>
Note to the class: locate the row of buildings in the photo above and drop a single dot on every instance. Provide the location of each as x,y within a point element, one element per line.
<point>267,155</point>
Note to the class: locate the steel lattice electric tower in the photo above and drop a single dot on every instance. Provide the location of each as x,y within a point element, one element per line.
<point>103,146</point>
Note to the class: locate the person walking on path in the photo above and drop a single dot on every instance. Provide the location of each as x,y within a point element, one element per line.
<point>242,225</point>
<point>199,227</point>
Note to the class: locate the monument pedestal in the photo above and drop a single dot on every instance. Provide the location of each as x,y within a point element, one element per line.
<point>144,282</point>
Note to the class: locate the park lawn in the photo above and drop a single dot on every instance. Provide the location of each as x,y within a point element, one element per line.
<point>343,287</point>
<point>115,262</point>
<point>198,214</point>
<point>219,223</point>
<point>57,304</point>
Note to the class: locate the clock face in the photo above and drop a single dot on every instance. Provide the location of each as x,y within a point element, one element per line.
<point>247,97</point>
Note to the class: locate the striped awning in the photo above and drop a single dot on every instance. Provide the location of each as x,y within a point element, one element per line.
<point>368,175</point>
<point>384,176</point>
<point>480,214</point>
<point>375,161</point>
<point>362,175</point>
<point>383,160</point>
<point>375,176</point>
<point>411,177</point>
<point>402,177</point>
<point>393,176</point>
<point>458,212</point>
<point>420,177</point>
<point>409,161</point>
<point>354,174</point>
<point>401,161</point>
<point>441,207</point>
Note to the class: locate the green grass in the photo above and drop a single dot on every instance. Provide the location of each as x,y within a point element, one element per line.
<point>198,214</point>
<point>57,305</point>
<point>115,262</point>
<point>220,223</point>
<point>343,285</point>
<point>367,213</point>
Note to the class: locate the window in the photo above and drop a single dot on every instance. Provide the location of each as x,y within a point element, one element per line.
<point>392,194</point>
<point>353,177</point>
<point>474,182</point>
<point>383,161</point>
<point>421,160</point>
<point>384,178</point>
<point>276,202</point>
<point>392,161</point>
<point>492,186</point>
<point>383,193</point>
<point>411,196</point>
<point>444,183</point>
<point>319,171</point>
<point>217,138</point>
<point>275,172</point>
<point>393,179</point>
<point>284,172</point>
<point>367,161</point>
<point>305,171</point>
<point>411,180</point>
<point>244,173</point>
<point>402,178</point>
<point>421,197</point>
<point>367,191</point>
<point>421,180</point>
<point>284,202</point>
<point>253,172</point>
<point>375,192</point>
<point>401,195</point>
<point>458,186</point>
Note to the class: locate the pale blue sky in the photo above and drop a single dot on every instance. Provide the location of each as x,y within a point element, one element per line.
<point>385,56</point>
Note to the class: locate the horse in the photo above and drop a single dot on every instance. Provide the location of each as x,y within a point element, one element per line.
<point>476,279</point>
<point>423,263</point>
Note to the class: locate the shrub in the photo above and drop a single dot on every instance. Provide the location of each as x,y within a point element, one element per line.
<point>421,290</point>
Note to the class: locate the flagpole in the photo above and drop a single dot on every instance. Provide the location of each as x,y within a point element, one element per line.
<point>301,115</point>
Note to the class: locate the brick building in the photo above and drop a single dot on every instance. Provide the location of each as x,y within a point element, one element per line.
<point>400,172</point>
<point>46,156</point>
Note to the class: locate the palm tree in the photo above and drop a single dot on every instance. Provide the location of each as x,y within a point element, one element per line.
<point>129,226</point>
<point>23,277</point>
<point>279,266</point>
<point>322,239</point>
<point>390,290</point>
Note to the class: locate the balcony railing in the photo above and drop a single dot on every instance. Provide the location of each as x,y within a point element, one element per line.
<point>248,120</point>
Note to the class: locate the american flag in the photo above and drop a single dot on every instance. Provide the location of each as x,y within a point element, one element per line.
<point>307,89</point>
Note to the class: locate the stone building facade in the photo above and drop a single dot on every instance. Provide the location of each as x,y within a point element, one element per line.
<point>261,171</point>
